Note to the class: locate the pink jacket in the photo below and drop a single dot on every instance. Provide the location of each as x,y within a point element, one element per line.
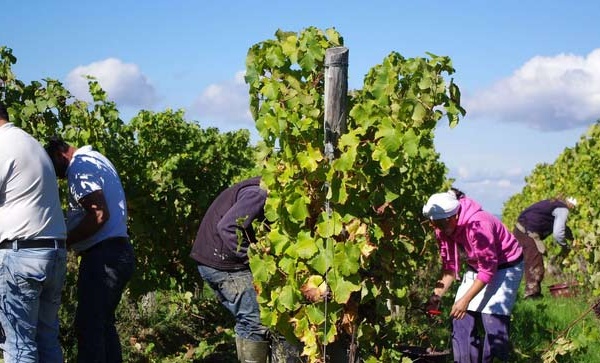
<point>486,242</point>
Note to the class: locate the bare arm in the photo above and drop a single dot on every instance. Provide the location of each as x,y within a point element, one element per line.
<point>96,215</point>
<point>459,309</point>
<point>444,283</point>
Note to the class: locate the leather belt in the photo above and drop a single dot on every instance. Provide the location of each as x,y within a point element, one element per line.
<point>32,243</point>
<point>506,265</point>
<point>502,266</point>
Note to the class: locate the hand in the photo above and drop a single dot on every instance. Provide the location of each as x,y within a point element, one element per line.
<point>432,306</point>
<point>459,309</point>
<point>564,251</point>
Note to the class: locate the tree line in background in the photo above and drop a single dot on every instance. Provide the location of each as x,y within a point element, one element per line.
<point>170,168</point>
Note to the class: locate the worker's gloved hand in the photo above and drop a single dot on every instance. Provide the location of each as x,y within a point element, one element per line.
<point>564,250</point>
<point>432,306</point>
<point>568,234</point>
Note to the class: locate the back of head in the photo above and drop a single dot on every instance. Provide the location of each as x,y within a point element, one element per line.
<point>3,113</point>
<point>459,193</point>
<point>55,144</point>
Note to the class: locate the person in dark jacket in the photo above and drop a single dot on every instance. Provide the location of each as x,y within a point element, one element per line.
<point>534,224</point>
<point>221,251</point>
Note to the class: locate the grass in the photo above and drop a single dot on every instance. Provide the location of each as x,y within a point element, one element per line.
<point>556,329</point>
<point>547,330</point>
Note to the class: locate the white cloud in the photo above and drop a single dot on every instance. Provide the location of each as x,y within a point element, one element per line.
<point>486,176</point>
<point>491,193</point>
<point>490,187</point>
<point>546,93</point>
<point>462,172</point>
<point>225,104</point>
<point>124,83</point>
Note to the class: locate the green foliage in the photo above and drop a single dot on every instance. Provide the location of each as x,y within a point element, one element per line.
<point>180,168</point>
<point>332,273</point>
<point>555,330</point>
<point>171,168</point>
<point>171,326</point>
<point>574,173</point>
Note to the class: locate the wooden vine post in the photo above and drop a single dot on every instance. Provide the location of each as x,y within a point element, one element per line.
<point>336,94</point>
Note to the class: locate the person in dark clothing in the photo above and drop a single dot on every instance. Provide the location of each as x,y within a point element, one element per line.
<point>534,224</point>
<point>221,251</point>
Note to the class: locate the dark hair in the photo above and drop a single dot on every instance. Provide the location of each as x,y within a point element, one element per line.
<point>55,143</point>
<point>459,193</point>
<point>3,112</point>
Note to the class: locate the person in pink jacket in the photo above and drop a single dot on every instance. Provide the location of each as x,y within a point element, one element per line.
<point>488,289</point>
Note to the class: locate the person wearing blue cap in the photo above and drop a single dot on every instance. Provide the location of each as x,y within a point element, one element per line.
<point>534,224</point>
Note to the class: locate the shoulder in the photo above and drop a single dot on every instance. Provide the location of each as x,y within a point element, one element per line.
<point>483,221</point>
<point>252,192</point>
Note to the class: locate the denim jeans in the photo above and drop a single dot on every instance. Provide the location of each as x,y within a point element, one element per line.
<point>31,282</point>
<point>235,290</point>
<point>104,270</point>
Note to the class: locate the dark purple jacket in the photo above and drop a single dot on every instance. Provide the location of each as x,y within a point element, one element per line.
<point>538,217</point>
<point>231,214</point>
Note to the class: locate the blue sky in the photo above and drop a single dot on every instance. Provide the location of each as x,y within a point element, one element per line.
<point>529,71</point>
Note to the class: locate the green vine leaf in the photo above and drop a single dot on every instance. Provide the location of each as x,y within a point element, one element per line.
<point>342,288</point>
<point>306,246</point>
<point>347,258</point>
<point>262,269</point>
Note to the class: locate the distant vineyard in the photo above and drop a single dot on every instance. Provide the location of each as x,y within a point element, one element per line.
<point>575,172</point>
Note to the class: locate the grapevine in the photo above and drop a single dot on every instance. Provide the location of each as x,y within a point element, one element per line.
<point>311,289</point>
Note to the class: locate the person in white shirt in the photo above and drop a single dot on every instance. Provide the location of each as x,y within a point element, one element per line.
<point>32,248</point>
<point>97,231</point>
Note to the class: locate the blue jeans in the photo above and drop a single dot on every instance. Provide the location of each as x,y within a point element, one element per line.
<point>104,270</point>
<point>235,290</point>
<point>31,282</point>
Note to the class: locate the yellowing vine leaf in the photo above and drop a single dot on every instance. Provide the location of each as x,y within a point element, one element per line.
<point>315,289</point>
<point>367,248</point>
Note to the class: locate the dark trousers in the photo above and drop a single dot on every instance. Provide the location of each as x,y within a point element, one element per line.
<point>534,264</point>
<point>469,346</point>
<point>104,271</point>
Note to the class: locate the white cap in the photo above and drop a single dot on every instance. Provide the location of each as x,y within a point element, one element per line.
<point>441,206</point>
<point>572,201</point>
